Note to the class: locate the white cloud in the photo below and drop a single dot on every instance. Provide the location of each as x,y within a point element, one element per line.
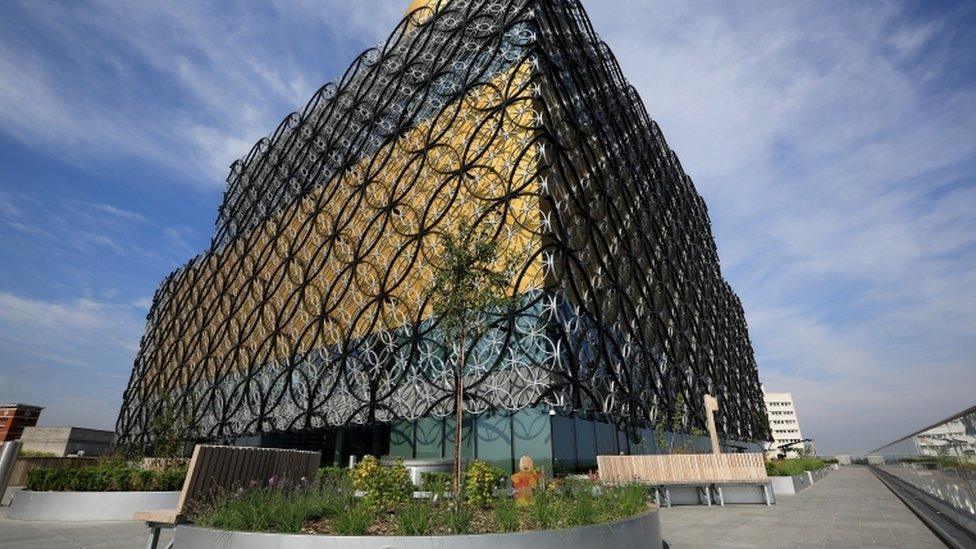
<point>73,356</point>
<point>186,86</point>
<point>833,179</point>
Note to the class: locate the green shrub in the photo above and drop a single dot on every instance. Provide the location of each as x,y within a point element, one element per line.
<point>544,511</point>
<point>104,478</point>
<point>506,514</point>
<point>796,466</point>
<point>582,509</point>
<point>459,518</point>
<point>383,486</point>
<point>629,500</point>
<point>415,519</point>
<point>37,454</point>
<point>334,479</point>
<point>263,510</point>
<point>480,481</point>
<point>435,482</point>
<point>354,520</point>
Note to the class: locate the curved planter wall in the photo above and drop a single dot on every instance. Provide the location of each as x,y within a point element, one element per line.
<point>79,506</point>
<point>642,532</point>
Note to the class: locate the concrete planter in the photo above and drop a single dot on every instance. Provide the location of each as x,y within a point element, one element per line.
<point>642,532</point>
<point>84,506</point>
<point>785,486</point>
<point>417,467</point>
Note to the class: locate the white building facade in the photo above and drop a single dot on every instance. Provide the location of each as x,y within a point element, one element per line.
<point>784,425</point>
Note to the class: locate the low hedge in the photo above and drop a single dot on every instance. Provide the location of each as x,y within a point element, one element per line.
<point>104,478</point>
<point>796,466</point>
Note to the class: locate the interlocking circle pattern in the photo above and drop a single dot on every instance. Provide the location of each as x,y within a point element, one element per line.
<point>310,310</point>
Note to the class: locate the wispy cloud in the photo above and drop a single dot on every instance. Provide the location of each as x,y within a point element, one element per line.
<point>838,164</point>
<point>52,349</point>
<point>110,210</point>
<point>188,86</point>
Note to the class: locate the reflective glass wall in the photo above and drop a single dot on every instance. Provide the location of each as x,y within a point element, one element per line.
<point>500,438</point>
<point>940,461</point>
<point>952,438</point>
<point>560,444</point>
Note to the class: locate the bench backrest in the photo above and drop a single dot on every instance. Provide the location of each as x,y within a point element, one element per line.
<point>226,468</point>
<point>683,468</point>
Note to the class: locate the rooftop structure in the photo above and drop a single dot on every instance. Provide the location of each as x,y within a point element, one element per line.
<point>15,417</point>
<point>954,436</point>
<point>63,441</point>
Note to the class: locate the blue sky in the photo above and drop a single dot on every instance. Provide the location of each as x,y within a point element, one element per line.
<point>833,142</point>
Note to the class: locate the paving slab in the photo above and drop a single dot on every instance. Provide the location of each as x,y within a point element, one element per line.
<point>850,508</point>
<point>33,534</point>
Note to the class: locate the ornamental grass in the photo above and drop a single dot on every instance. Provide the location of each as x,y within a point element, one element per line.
<point>386,505</point>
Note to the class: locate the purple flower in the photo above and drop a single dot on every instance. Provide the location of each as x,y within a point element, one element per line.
<point>273,481</point>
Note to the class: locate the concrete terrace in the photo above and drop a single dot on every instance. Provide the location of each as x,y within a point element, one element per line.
<point>849,508</point>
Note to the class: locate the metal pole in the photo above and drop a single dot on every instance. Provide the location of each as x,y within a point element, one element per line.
<point>8,456</point>
<point>711,406</point>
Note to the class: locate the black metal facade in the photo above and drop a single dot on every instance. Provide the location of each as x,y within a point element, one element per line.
<point>309,309</point>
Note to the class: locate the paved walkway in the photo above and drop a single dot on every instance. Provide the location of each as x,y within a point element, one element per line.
<point>16,534</point>
<point>849,508</point>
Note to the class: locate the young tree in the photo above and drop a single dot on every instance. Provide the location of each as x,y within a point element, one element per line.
<point>473,273</point>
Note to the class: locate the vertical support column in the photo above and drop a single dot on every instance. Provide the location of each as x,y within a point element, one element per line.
<point>711,406</point>
<point>8,456</point>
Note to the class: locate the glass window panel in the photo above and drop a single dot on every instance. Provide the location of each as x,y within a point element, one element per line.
<point>401,439</point>
<point>606,439</point>
<point>430,438</point>
<point>585,445</point>
<point>563,445</point>
<point>467,442</point>
<point>623,445</point>
<point>533,436</point>
<point>494,445</point>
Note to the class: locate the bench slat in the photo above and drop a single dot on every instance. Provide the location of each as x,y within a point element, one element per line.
<point>683,468</point>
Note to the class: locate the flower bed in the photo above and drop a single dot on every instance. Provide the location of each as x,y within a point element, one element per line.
<point>640,532</point>
<point>328,505</point>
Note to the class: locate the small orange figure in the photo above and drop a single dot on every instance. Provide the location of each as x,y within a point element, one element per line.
<point>525,481</point>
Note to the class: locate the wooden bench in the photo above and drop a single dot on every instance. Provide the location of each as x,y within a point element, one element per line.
<point>706,472</point>
<point>214,469</point>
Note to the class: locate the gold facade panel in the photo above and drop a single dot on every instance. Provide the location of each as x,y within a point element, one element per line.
<point>353,257</point>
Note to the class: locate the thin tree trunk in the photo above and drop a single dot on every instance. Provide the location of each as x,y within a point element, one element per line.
<point>458,417</point>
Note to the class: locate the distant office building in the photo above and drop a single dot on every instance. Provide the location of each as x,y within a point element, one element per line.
<point>14,417</point>
<point>954,436</point>
<point>63,441</point>
<point>784,425</point>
